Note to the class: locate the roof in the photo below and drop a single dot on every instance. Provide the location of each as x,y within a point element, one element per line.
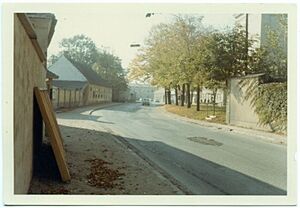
<point>264,78</point>
<point>69,70</point>
<point>51,75</point>
<point>64,84</point>
<point>66,70</point>
<point>248,76</point>
<point>91,76</point>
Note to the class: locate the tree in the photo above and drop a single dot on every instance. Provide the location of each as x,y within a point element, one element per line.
<point>52,59</point>
<point>227,55</point>
<point>109,67</point>
<point>79,48</point>
<point>170,56</point>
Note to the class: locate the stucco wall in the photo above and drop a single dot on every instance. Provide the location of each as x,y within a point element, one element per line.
<point>28,73</point>
<point>239,111</point>
<point>98,94</point>
<point>60,100</point>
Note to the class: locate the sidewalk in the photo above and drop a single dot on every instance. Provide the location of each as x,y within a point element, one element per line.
<point>98,162</point>
<point>266,136</point>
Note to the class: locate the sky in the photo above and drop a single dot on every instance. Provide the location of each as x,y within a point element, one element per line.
<point>115,31</point>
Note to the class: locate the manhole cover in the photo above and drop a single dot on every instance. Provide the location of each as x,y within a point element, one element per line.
<point>204,140</point>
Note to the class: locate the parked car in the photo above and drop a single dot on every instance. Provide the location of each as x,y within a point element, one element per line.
<point>146,101</point>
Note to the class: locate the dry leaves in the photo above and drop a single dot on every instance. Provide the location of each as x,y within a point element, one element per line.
<point>101,176</point>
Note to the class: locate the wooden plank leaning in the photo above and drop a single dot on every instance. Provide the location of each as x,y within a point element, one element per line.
<point>54,132</point>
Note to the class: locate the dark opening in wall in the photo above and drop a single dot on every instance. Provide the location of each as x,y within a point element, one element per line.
<point>44,163</point>
<point>37,131</point>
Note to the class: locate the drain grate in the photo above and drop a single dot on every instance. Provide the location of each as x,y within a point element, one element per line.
<point>205,141</point>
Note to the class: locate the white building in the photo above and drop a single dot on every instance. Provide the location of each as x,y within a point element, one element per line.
<point>259,25</point>
<point>205,96</point>
<point>142,91</point>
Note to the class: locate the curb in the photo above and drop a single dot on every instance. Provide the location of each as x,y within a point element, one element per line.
<point>104,106</point>
<point>266,136</point>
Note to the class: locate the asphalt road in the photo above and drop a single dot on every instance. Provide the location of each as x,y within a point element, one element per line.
<point>199,160</point>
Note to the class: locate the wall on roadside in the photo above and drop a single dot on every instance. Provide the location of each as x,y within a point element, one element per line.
<point>67,98</point>
<point>28,73</point>
<point>98,94</point>
<point>239,111</point>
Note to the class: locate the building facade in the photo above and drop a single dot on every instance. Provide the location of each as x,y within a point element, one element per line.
<point>30,49</point>
<point>141,91</point>
<point>259,26</point>
<point>78,85</point>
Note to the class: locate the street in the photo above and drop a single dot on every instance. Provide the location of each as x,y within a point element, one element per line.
<point>198,159</point>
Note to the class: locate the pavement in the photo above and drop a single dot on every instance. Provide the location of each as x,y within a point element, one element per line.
<point>118,171</point>
<point>160,153</point>
<point>200,159</point>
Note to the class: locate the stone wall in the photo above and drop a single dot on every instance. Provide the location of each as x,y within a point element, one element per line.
<point>28,73</point>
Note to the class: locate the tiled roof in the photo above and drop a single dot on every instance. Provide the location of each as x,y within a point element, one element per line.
<point>68,84</point>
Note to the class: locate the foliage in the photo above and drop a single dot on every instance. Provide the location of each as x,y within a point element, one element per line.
<point>82,49</point>
<point>79,48</point>
<point>109,67</point>
<point>271,105</point>
<point>184,52</point>
<point>52,59</point>
<point>172,54</point>
<point>275,48</point>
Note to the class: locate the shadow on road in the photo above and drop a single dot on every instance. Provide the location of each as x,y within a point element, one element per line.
<point>130,107</point>
<point>178,163</point>
<point>81,116</point>
<point>220,178</point>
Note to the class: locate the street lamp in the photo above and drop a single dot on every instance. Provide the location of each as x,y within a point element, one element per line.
<point>135,45</point>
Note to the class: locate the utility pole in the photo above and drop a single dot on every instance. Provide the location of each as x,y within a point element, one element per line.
<point>246,44</point>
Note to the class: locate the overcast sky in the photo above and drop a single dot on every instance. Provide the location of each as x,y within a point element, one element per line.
<point>117,30</point>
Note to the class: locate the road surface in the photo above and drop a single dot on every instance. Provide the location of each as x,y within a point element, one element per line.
<point>199,160</point>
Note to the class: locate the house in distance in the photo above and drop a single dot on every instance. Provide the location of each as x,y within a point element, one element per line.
<point>77,85</point>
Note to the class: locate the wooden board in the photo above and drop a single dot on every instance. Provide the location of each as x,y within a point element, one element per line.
<point>49,118</point>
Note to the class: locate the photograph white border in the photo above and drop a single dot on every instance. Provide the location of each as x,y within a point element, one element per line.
<point>8,9</point>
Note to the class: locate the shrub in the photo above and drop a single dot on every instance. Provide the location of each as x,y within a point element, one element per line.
<point>270,103</point>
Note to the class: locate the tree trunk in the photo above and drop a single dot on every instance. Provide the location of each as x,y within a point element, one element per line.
<point>188,95</point>
<point>169,96</point>
<point>192,96</point>
<point>166,96</point>
<point>225,93</point>
<point>198,97</point>
<point>182,94</point>
<point>176,95</point>
<point>214,102</point>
